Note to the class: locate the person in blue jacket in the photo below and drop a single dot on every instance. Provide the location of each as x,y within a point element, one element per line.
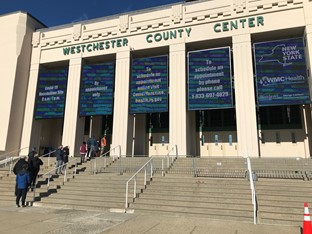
<point>22,183</point>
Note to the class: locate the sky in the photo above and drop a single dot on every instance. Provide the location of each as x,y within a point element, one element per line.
<point>58,12</point>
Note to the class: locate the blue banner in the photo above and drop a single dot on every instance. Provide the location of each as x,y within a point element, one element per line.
<point>209,79</point>
<point>97,89</point>
<point>51,94</point>
<point>281,73</point>
<point>149,85</point>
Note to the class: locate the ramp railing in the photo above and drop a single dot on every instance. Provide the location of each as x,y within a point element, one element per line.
<point>253,190</point>
<point>49,174</point>
<point>101,162</point>
<point>169,159</point>
<point>8,159</point>
<point>147,169</point>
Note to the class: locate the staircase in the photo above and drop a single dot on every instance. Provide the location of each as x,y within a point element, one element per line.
<point>281,201</point>
<point>214,188</point>
<point>227,199</point>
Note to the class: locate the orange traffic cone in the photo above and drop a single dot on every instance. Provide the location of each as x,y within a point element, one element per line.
<point>307,228</point>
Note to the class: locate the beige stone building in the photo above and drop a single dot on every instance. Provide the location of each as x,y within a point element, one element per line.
<point>248,127</point>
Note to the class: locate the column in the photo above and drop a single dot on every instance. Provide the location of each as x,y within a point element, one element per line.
<point>308,55</point>
<point>31,129</point>
<point>177,92</point>
<point>122,124</point>
<point>308,40</point>
<point>247,134</point>
<point>71,108</point>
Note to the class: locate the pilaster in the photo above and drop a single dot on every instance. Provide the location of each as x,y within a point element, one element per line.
<point>177,92</point>
<point>121,127</point>
<point>71,108</point>
<point>247,134</point>
<point>31,128</point>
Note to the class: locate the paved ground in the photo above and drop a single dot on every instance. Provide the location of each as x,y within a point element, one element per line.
<point>34,220</point>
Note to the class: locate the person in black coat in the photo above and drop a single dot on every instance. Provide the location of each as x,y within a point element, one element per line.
<point>19,165</point>
<point>59,153</point>
<point>65,156</point>
<point>34,167</point>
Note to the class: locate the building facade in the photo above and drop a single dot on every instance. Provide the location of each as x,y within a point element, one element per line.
<point>170,90</point>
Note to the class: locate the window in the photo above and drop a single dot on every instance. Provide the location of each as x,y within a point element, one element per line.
<point>280,117</point>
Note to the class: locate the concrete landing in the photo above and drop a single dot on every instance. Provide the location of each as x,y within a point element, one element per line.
<point>34,220</point>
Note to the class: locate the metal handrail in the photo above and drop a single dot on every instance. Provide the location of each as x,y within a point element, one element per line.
<point>53,170</point>
<point>134,179</point>
<point>93,167</point>
<point>1,156</point>
<point>10,162</point>
<point>253,190</point>
<point>170,159</point>
<point>51,152</point>
<point>12,159</point>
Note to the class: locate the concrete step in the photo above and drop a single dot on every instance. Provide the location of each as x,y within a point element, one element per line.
<point>279,218</point>
<point>276,198</point>
<point>214,213</point>
<point>103,207</point>
<point>224,198</point>
<point>82,198</point>
<point>204,203</point>
<point>87,204</point>
<point>194,191</point>
<point>88,195</point>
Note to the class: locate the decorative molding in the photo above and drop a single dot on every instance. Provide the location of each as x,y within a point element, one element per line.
<point>123,23</point>
<point>77,32</point>
<point>145,22</point>
<point>36,39</point>
<point>177,13</point>
<point>239,6</point>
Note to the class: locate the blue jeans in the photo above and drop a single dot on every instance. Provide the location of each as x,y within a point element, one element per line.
<point>58,169</point>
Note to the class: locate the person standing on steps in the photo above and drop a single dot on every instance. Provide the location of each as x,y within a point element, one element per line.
<point>31,155</point>
<point>22,181</point>
<point>92,144</point>
<point>34,168</point>
<point>18,168</point>
<point>59,160</point>
<point>83,150</point>
<point>65,156</point>
<point>103,145</point>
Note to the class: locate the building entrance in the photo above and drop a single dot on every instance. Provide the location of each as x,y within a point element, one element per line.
<point>216,134</point>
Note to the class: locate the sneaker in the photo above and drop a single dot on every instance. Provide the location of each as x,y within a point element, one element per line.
<point>23,205</point>
<point>18,206</point>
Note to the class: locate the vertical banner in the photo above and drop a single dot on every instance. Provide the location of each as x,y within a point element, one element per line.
<point>51,94</point>
<point>149,85</point>
<point>281,74</point>
<point>209,79</point>
<point>97,89</point>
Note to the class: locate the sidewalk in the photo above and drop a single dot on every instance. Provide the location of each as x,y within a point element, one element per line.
<point>33,220</point>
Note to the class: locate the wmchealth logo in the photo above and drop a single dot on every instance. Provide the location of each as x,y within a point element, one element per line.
<point>282,54</point>
<point>267,81</point>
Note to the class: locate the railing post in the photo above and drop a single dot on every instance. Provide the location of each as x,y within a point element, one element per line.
<point>134,187</point>
<point>11,165</point>
<point>76,165</point>
<point>65,173</point>
<point>48,181</point>
<point>145,177</point>
<point>162,167</point>
<point>120,172</point>
<point>194,169</point>
<point>94,166</point>
<point>127,185</point>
